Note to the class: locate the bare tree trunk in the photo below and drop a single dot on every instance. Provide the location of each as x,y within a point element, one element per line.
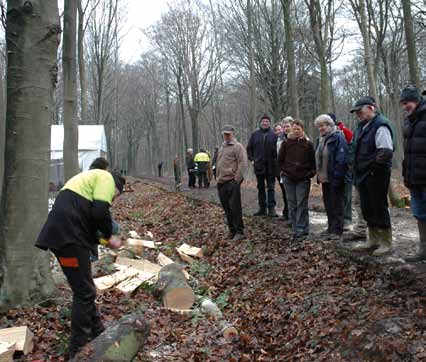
<point>82,65</point>
<point>32,35</point>
<point>360,10</point>
<point>291,67</point>
<point>2,128</point>
<point>411,43</point>
<point>252,85</point>
<point>69,69</point>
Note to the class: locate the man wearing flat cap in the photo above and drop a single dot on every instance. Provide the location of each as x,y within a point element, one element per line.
<point>230,166</point>
<point>373,153</point>
<point>414,165</point>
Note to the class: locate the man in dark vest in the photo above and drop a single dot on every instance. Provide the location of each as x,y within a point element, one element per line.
<point>262,151</point>
<point>414,165</point>
<point>372,171</point>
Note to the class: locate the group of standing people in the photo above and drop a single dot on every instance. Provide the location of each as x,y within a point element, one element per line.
<point>339,160</point>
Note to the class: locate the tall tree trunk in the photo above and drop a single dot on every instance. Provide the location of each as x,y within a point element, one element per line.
<point>82,65</point>
<point>32,37</point>
<point>69,69</point>
<point>252,75</point>
<point>2,128</point>
<point>291,67</point>
<point>411,43</point>
<point>368,54</point>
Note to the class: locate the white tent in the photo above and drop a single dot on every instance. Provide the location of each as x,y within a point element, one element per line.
<point>91,144</point>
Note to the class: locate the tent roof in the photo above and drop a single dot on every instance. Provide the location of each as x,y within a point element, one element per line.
<point>90,137</point>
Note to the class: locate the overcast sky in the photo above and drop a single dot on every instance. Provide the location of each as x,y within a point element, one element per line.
<point>140,14</point>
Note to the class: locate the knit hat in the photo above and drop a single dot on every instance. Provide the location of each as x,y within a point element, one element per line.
<point>364,101</point>
<point>333,117</point>
<point>228,129</point>
<point>265,116</point>
<point>119,181</point>
<point>410,94</point>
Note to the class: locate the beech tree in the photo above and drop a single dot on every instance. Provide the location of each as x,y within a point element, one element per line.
<point>32,38</point>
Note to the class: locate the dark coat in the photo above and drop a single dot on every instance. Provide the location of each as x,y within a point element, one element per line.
<point>262,149</point>
<point>366,152</point>
<point>414,164</point>
<point>338,157</point>
<point>297,159</point>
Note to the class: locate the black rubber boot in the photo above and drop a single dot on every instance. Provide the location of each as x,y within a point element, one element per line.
<point>421,254</point>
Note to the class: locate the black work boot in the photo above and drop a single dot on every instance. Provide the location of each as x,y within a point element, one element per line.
<point>421,254</point>
<point>260,212</point>
<point>272,212</point>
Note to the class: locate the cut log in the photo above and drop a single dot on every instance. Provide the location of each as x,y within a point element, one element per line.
<point>141,265</point>
<point>185,257</point>
<point>191,250</point>
<point>108,281</point>
<point>165,260</point>
<point>21,336</point>
<point>119,343</point>
<point>7,349</point>
<point>173,288</point>
<point>210,308</point>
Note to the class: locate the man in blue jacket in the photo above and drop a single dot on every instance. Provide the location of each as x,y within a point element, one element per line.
<point>372,171</point>
<point>262,152</point>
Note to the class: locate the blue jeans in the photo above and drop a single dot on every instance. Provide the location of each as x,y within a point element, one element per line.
<point>297,198</point>
<point>418,202</point>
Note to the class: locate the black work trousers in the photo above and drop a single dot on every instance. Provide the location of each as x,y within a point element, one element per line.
<point>191,178</point>
<point>203,180</point>
<point>230,198</point>
<point>261,190</point>
<point>86,322</point>
<point>334,202</point>
<point>373,193</point>
<point>285,209</point>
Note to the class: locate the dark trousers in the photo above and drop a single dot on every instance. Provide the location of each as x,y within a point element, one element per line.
<point>373,193</point>
<point>270,185</point>
<point>203,179</point>
<point>285,210</point>
<point>298,197</point>
<point>86,322</point>
<point>230,198</point>
<point>191,178</point>
<point>347,209</point>
<point>334,201</point>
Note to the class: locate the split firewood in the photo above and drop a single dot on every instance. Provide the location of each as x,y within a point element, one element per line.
<point>7,349</point>
<point>22,337</point>
<point>108,281</point>
<point>149,235</point>
<point>185,257</point>
<point>164,260</point>
<point>141,265</point>
<point>210,308</point>
<point>173,288</point>
<point>119,343</point>
<point>191,250</point>
<point>128,286</point>
<point>144,243</point>
<point>126,253</point>
<point>133,234</point>
<point>135,246</point>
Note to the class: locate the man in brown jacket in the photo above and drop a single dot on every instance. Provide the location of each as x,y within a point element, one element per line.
<point>230,167</point>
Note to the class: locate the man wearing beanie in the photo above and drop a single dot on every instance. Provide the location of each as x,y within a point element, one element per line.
<point>414,164</point>
<point>373,152</point>
<point>70,233</point>
<point>262,151</point>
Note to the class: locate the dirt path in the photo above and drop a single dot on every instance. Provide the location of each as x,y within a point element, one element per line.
<point>404,227</point>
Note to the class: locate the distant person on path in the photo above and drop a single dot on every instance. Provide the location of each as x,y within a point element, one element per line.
<point>214,161</point>
<point>297,163</point>
<point>372,170</point>
<point>282,137</point>
<point>160,168</point>
<point>177,174</point>
<point>331,155</point>
<point>190,166</point>
<point>414,165</point>
<point>202,162</point>
<point>231,164</point>
<point>80,210</point>
<point>262,152</point>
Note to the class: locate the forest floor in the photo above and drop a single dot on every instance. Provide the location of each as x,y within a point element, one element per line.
<point>290,302</point>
